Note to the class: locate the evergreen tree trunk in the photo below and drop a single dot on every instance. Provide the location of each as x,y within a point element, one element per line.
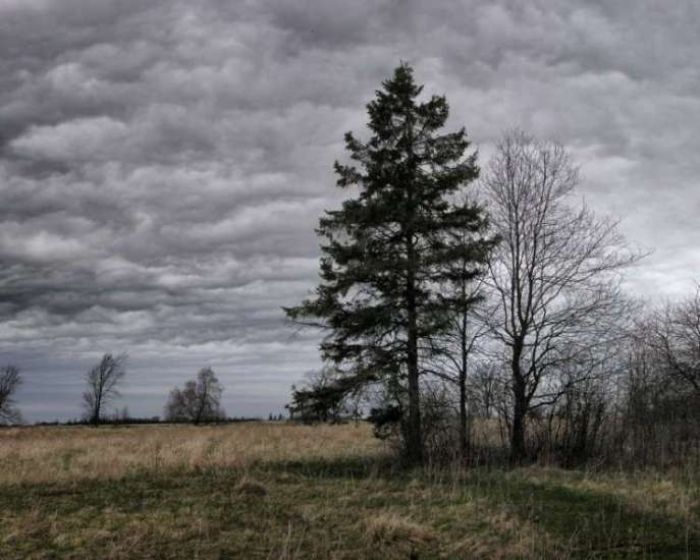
<point>464,349</point>
<point>414,434</point>
<point>414,440</point>
<point>463,429</point>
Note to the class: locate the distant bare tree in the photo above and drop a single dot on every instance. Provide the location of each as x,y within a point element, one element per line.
<point>103,381</point>
<point>644,390</point>
<point>10,380</point>
<point>199,401</point>
<point>676,338</point>
<point>658,402</point>
<point>554,273</point>
<point>485,386</point>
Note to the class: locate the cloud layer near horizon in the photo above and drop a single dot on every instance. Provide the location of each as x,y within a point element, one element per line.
<point>163,164</point>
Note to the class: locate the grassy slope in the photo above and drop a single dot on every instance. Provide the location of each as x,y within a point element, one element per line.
<point>279,491</point>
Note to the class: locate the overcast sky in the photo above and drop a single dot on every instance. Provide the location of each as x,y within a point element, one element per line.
<point>163,164</point>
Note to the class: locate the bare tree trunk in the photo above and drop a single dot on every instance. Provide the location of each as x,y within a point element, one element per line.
<point>463,420</point>
<point>95,420</point>
<point>518,450</point>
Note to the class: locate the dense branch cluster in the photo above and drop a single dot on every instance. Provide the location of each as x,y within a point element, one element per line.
<point>198,401</point>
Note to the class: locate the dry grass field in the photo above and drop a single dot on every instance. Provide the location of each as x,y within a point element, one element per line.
<point>281,491</point>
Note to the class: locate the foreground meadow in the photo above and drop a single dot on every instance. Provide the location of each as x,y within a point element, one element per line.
<point>267,490</point>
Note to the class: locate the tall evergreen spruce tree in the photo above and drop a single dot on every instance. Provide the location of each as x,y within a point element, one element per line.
<point>388,254</point>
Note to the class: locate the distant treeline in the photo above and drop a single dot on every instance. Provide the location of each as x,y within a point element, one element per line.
<point>147,420</point>
<point>198,402</point>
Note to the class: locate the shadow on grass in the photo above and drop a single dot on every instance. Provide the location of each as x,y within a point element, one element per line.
<point>591,524</point>
<point>351,467</point>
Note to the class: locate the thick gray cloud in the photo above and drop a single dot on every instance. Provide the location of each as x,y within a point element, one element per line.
<point>163,164</point>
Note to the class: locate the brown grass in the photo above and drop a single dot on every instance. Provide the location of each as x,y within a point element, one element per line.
<point>396,536</point>
<point>275,490</point>
<point>390,528</point>
<point>249,487</point>
<point>63,453</point>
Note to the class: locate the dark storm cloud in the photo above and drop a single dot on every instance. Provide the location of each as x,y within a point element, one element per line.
<point>163,164</point>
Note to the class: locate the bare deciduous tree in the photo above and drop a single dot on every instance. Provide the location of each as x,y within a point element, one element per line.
<point>102,385</point>
<point>10,380</point>
<point>555,272</point>
<point>659,410</point>
<point>676,338</point>
<point>199,401</point>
